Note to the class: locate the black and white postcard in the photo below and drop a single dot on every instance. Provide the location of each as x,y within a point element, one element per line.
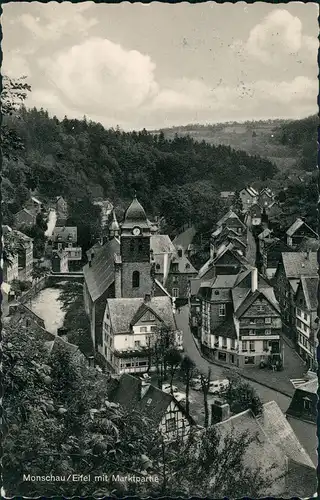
<point>159,249</point>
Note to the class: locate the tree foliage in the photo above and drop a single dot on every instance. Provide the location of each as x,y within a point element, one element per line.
<point>241,396</point>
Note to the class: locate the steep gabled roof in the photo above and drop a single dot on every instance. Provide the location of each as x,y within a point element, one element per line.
<point>229,215</point>
<point>251,297</point>
<point>296,225</point>
<point>64,233</point>
<point>153,404</point>
<point>161,244</point>
<point>297,264</point>
<point>310,290</point>
<point>126,312</point>
<point>100,275</point>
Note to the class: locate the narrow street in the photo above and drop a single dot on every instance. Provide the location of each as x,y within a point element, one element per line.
<point>219,372</point>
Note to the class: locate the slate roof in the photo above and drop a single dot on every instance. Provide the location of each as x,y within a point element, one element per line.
<point>251,191</point>
<point>297,264</point>
<point>64,233</point>
<point>310,290</point>
<point>250,298</point>
<point>184,265</point>
<point>226,329</point>
<point>229,215</point>
<point>296,225</point>
<point>153,404</point>
<point>184,239</point>
<point>27,212</point>
<point>94,250</point>
<point>273,444</point>
<point>224,281</point>
<point>195,286</point>
<point>161,243</point>
<point>296,408</point>
<point>312,244</point>
<point>124,312</point>
<point>100,276</point>
<point>310,386</point>
<point>226,194</point>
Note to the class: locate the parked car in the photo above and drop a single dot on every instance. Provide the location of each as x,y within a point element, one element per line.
<point>167,388</point>
<point>195,383</point>
<point>217,386</point>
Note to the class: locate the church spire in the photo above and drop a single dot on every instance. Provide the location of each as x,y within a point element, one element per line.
<point>114,228</point>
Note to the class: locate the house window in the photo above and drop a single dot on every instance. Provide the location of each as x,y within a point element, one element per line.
<point>175,267</point>
<point>222,356</point>
<point>224,343</point>
<point>170,425</point>
<point>137,344</point>
<point>233,343</point>
<point>267,331</point>
<point>143,329</point>
<point>175,292</point>
<point>231,358</point>
<point>251,346</point>
<point>222,309</point>
<point>306,404</point>
<point>260,308</point>
<point>298,312</point>
<point>175,279</point>
<point>244,345</point>
<point>265,345</point>
<point>249,360</point>
<point>267,321</point>
<point>252,321</point>
<point>135,279</point>
<point>306,317</point>
<point>251,332</point>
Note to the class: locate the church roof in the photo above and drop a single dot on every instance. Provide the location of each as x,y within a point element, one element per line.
<point>135,216</point>
<point>100,274</point>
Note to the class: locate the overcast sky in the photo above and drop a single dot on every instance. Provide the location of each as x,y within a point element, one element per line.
<point>160,65</point>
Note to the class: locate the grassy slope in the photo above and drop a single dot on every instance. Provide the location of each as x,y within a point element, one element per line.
<point>239,136</point>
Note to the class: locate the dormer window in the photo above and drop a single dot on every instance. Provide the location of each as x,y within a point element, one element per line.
<point>179,252</point>
<point>307,404</point>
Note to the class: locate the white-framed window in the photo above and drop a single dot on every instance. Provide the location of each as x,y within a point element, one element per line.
<point>137,344</point>
<point>267,321</point>
<point>252,346</point>
<point>233,343</point>
<point>244,345</point>
<point>175,292</point>
<point>143,329</point>
<point>222,309</point>
<point>267,331</point>
<point>261,308</point>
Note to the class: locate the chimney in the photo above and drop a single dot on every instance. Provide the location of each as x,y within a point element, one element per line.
<point>254,280</point>
<point>219,412</point>
<point>147,297</point>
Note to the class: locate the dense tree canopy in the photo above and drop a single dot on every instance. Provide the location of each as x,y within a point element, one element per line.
<point>81,160</point>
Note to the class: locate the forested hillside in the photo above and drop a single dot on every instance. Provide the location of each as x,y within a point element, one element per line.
<point>178,178</point>
<point>291,145</point>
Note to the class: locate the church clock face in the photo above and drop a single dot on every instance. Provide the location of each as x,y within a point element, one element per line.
<point>136,231</point>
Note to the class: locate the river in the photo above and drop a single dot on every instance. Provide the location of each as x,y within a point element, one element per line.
<point>48,307</point>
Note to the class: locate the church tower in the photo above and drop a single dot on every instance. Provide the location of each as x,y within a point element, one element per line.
<point>136,276</point>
